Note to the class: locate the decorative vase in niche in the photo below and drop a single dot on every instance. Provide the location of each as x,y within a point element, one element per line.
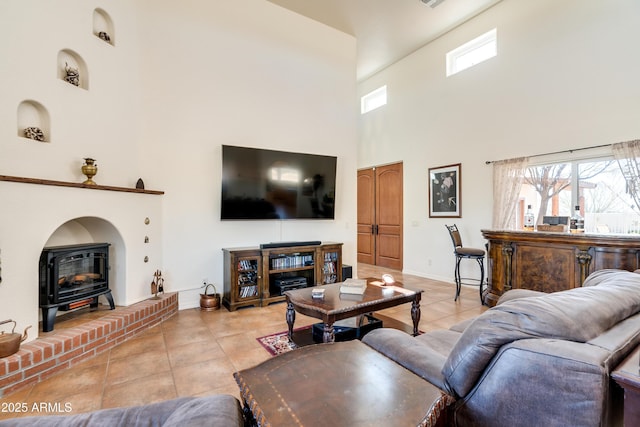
<point>34,133</point>
<point>72,75</point>
<point>104,36</point>
<point>90,169</point>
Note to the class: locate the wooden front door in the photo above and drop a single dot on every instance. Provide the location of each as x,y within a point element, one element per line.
<point>366,216</point>
<point>380,216</point>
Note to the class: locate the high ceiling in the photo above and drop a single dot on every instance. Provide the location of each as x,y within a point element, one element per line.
<point>387,30</point>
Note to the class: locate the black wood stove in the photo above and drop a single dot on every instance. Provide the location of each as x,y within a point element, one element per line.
<point>71,277</point>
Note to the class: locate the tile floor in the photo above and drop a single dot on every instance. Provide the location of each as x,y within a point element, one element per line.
<point>195,353</point>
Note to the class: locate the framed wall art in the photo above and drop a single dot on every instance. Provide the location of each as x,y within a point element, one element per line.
<point>444,191</point>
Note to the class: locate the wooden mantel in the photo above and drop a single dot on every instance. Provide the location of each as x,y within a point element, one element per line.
<point>552,261</point>
<point>75,184</point>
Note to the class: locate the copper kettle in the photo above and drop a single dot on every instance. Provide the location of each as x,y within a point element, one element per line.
<point>10,343</point>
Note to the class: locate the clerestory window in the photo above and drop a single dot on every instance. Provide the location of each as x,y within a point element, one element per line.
<point>373,100</point>
<point>473,52</point>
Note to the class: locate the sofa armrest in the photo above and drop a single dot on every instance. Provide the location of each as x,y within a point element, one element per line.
<point>554,382</point>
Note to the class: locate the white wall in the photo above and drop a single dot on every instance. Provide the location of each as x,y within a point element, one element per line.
<point>182,79</point>
<point>565,77</point>
<point>101,122</point>
<point>244,73</point>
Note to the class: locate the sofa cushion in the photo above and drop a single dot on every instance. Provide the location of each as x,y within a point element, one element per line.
<point>518,293</point>
<point>423,355</point>
<point>579,315</point>
<point>219,410</point>
<point>215,410</point>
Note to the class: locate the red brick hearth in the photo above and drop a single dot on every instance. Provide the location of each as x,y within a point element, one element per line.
<point>45,356</point>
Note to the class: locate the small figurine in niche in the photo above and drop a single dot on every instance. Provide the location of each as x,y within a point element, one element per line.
<point>34,133</point>
<point>104,36</point>
<point>72,75</point>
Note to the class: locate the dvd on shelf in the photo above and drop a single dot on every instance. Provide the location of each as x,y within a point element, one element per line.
<point>245,264</point>
<point>291,261</point>
<point>248,291</point>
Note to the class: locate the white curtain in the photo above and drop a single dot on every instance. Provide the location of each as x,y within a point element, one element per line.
<point>508,176</point>
<point>628,156</point>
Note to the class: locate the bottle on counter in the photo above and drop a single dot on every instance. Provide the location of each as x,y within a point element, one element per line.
<point>529,220</point>
<point>576,224</point>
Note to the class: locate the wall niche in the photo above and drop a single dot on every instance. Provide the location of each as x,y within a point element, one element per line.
<point>33,121</point>
<point>73,69</point>
<point>103,26</point>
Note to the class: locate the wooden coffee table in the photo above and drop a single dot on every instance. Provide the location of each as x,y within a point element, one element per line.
<point>336,306</point>
<point>339,384</point>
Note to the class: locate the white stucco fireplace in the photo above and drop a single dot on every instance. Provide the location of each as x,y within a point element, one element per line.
<point>41,214</point>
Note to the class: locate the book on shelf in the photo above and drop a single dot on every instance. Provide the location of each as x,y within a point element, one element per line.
<point>353,286</point>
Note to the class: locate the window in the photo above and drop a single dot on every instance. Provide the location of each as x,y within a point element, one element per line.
<point>284,175</point>
<point>373,100</point>
<point>596,185</point>
<point>471,53</point>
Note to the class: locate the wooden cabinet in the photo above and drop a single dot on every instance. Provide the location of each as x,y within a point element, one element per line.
<point>330,269</point>
<point>286,269</point>
<point>258,277</point>
<point>242,278</point>
<point>550,261</point>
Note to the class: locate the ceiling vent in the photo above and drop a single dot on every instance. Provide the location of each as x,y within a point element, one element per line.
<point>432,3</point>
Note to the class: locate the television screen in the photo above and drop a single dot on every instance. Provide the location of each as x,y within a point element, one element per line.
<point>269,184</point>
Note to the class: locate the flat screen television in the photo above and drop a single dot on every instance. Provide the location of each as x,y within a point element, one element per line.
<point>269,184</point>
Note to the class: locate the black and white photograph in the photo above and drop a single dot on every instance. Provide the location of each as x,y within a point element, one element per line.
<point>444,191</point>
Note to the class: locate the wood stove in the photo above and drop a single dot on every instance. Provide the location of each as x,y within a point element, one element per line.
<point>71,277</point>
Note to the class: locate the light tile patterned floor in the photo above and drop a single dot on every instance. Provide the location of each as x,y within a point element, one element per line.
<point>195,353</point>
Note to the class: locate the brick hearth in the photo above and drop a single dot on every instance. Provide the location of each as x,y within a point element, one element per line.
<point>59,350</point>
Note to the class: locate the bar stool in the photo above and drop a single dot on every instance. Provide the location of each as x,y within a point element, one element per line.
<point>461,253</point>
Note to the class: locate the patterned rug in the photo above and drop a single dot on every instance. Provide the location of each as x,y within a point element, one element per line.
<point>279,343</point>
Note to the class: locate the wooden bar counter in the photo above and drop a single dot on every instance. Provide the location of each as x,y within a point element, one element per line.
<point>553,261</point>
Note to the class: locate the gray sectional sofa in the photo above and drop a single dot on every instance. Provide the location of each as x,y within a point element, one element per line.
<point>534,359</point>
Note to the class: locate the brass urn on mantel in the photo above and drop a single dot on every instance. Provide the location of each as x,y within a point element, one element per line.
<point>90,169</point>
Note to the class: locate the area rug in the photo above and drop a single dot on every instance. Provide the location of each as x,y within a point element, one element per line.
<point>279,343</point>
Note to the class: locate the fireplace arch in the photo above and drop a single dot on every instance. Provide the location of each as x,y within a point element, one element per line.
<point>93,230</point>
<point>41,213</point>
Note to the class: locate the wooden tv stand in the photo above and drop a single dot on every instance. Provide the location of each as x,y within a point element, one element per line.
<point>255,276</point>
